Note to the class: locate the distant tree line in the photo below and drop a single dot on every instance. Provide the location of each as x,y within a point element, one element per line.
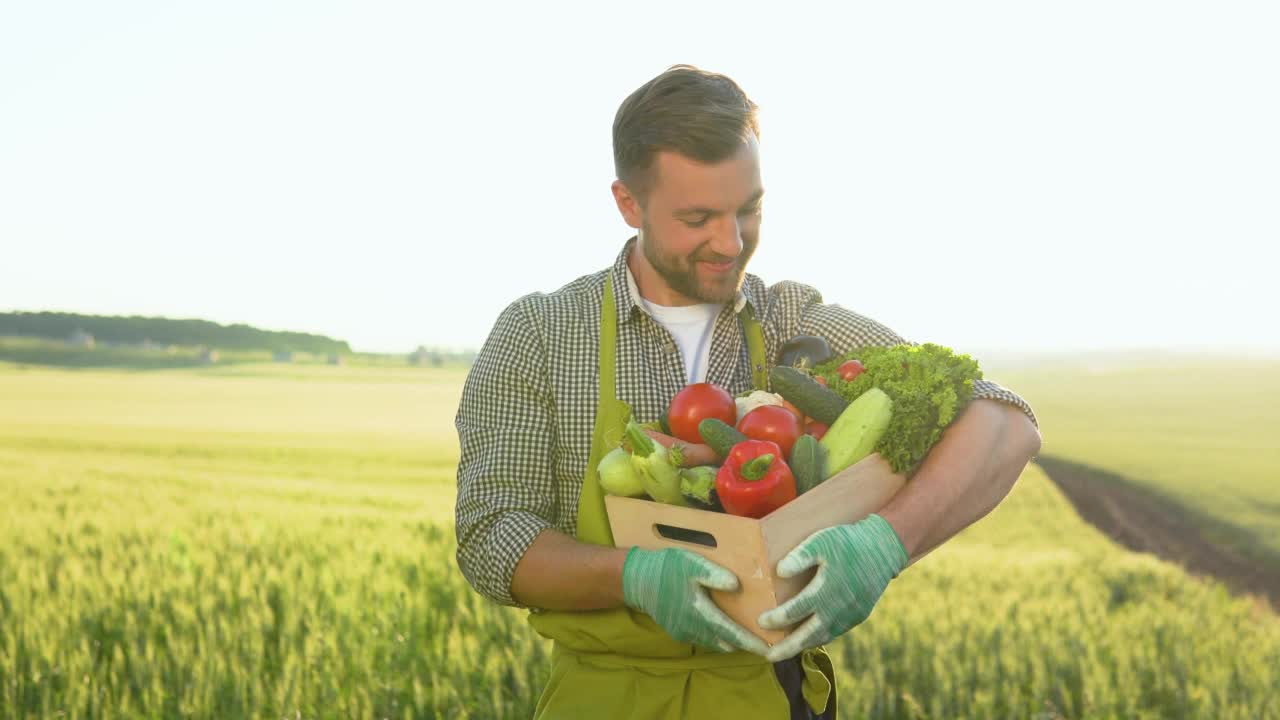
<point>135,330</point>
<point>436,357</point>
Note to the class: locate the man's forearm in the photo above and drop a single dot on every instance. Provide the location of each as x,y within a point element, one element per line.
<point>964,477</point>
<point>560,573</point>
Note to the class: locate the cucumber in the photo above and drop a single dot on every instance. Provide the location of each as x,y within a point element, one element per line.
<point>819,403</point>
<point>854,435</point>
<point>720,435</point>
<point>808,463</point>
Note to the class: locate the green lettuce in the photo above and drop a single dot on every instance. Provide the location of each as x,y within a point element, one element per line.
<point>929,384</point>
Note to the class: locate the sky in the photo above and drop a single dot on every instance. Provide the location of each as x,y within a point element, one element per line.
<point>1007,176</point>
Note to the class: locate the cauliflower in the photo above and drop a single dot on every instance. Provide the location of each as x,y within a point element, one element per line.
<point>754,399</point>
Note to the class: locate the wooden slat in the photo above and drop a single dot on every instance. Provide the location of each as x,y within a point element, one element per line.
<point>846,497</point>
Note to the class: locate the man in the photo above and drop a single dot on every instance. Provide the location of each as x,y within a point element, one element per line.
<point>634,631</point>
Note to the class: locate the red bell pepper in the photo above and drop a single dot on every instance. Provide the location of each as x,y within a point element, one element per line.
<point>754,479</point>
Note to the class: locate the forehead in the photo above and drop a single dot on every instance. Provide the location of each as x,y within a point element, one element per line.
<point>680,181</point>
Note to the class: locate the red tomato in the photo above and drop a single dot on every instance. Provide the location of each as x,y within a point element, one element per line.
<point>799,413</point>
<point>850,370</point>
<point>773,423</point>
<point>695,403</point>
<point>820,380</point>
<point>816,429</point>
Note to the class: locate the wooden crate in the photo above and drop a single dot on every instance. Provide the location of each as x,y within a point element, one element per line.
<point>751,548</point>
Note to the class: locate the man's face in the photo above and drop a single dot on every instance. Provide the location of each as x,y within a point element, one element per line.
<point>701,223</point>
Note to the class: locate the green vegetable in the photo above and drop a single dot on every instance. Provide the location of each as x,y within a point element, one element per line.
<point>805,393</point>
<point>855,434</point>
<point>719,435</point>
<point>699,485</point>
<point>929,385</point>
<point>658,466</point>
<point>808,463</point>
<point>618,475</point>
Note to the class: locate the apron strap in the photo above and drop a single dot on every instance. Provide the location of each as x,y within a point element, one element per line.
<point>608,337</point>
<point>755,349</point>
<point>611,416</point>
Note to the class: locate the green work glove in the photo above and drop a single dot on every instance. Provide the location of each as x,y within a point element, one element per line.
<point>855,564</point>
<point>671,587</point>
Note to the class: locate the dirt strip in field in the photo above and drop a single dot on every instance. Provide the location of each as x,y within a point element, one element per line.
<point>1145,522</point>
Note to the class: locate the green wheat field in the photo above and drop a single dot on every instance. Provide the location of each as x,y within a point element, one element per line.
<point>276,541</point>
<point>1204,434</point>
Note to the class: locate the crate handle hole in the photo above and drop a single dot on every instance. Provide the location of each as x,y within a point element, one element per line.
<point>697,537</point>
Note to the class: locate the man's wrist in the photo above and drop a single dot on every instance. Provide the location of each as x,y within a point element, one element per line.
<point>889,541</point>
<point>629,586</point>
<point>560,573</point>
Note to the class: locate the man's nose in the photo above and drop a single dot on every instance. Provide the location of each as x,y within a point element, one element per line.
<point>728,239</point>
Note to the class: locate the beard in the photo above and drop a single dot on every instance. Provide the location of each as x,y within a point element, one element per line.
<point>681,273</point>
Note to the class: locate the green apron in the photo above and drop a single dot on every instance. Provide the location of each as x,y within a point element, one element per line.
<point>620,663</point>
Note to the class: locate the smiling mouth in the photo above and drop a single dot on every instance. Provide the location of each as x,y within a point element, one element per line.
<point>719,267</point>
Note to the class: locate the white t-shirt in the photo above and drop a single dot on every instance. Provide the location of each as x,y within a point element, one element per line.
<point>691,326</point>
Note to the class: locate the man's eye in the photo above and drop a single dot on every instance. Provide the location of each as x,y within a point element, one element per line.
<point>753,211</point>
<point>697,224</point>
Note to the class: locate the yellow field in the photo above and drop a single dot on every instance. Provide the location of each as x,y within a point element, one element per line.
<point>276,541</point>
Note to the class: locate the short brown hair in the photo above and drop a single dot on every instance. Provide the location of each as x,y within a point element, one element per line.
<point>702,115</point>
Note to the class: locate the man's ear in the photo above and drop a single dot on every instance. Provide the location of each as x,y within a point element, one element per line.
<point>628,205</point>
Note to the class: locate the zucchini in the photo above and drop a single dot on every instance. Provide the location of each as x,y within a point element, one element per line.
<point>854,435</point>
<point>808,463</point>
<point>819,403</point>
<point>720,435</point>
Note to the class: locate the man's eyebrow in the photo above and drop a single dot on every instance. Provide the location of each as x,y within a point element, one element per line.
<point>755,197</point>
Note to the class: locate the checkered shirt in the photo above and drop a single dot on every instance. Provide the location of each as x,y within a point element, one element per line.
<point>528,405</point>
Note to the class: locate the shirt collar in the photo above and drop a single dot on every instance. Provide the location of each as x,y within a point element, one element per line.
<point>626,295</point>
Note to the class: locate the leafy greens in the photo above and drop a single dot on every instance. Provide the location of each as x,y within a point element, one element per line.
<point>929,385</point>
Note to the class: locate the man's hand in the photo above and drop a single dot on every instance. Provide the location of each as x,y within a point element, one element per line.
<point>671,587</point>
<point>855,564</point>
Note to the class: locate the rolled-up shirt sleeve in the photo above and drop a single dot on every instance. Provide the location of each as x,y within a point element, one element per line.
<point>506,431</point>
<point>806,314</point>
<point>989,390</point>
